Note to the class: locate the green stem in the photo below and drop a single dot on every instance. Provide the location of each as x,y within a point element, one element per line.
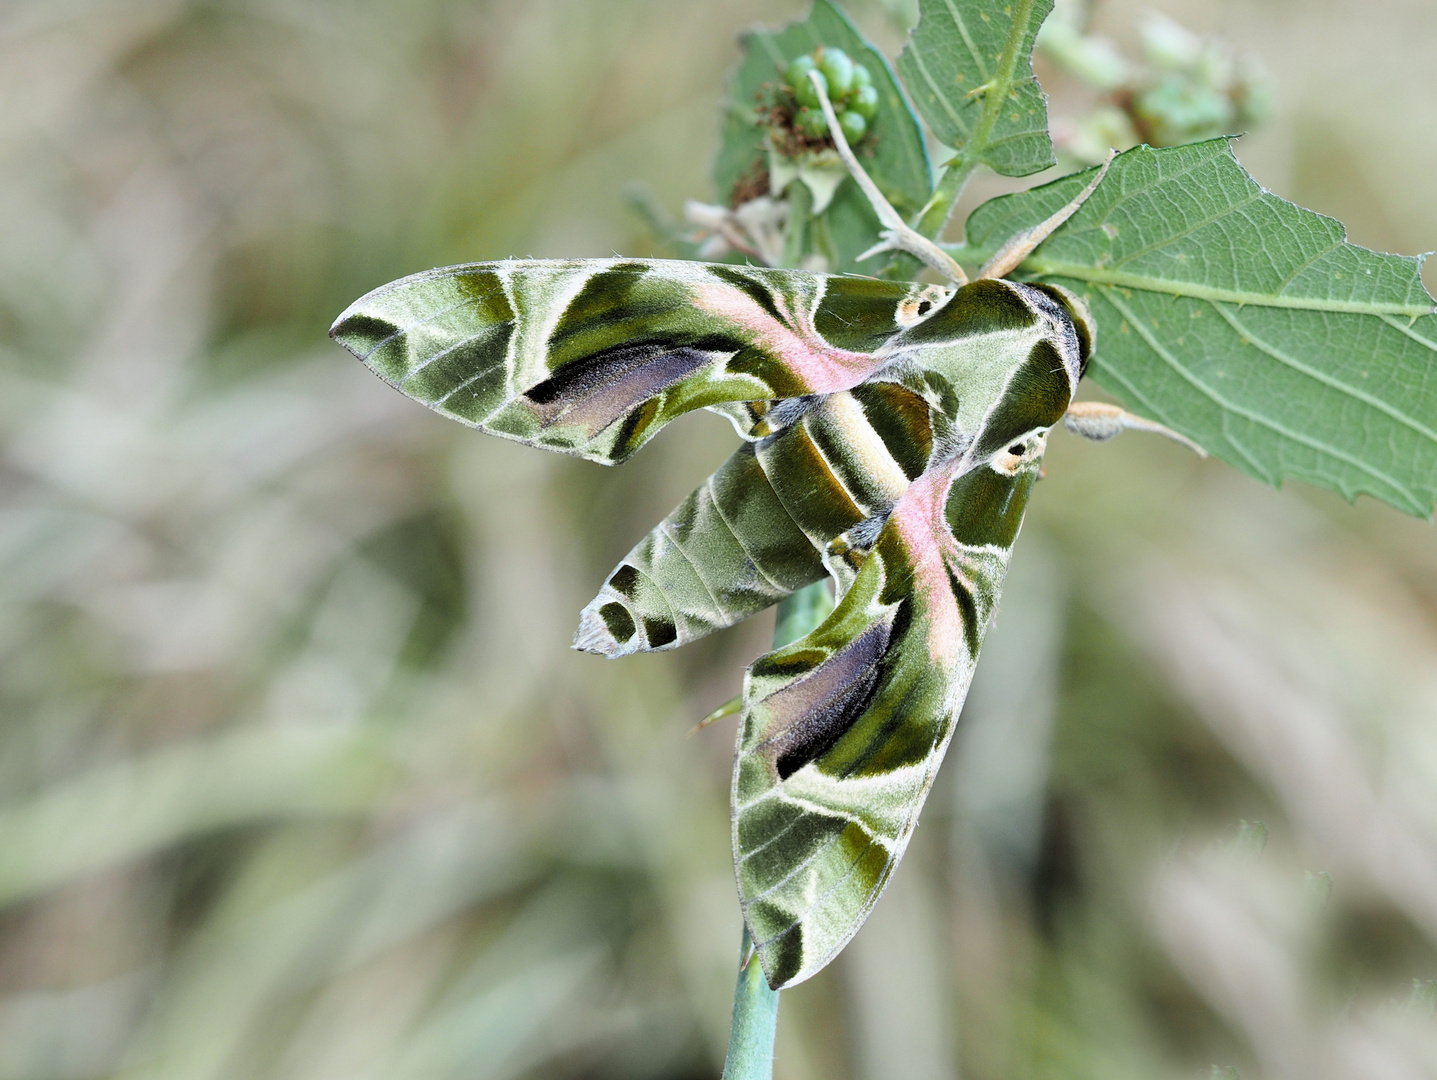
<point>934,218</point>
<point>755,1006</point>
<point>801,613</point>
<point>800,208</point>
<point>755,1021</point>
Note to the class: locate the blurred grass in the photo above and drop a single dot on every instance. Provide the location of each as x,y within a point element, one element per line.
<point>298,778</point>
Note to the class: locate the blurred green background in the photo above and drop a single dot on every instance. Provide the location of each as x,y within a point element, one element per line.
<point>298,776</point>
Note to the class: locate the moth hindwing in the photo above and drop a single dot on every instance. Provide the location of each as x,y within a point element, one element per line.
<point>891,436</point>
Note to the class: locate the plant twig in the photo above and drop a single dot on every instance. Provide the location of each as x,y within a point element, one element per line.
<point>755,1006</point>
<point>755,1020</point>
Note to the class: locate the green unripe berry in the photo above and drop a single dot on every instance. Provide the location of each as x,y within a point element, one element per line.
<point>861,76</point>
<point>797,72</point>
<point>854,126</point>
<point>810,122</point>
<point>837,68</point>
<point>865,102</point>
<point>805,91</point>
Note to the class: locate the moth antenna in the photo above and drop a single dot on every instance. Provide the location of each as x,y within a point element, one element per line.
<point>1099,421</point>
<point>1011,255</point>
<point>896,234</point>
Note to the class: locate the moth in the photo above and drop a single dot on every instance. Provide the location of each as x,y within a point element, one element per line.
<point>891,435</point>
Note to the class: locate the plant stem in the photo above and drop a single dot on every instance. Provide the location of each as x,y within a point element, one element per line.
<point>755,1006</point>
<point>945,196</point>
<point>800,206</point>
<point>933,218</point>
<point>755,1021</point>
<point>801,613</point>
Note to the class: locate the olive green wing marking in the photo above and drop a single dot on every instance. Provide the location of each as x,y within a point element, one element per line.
<point>592,357</point>
<point>844,729</point>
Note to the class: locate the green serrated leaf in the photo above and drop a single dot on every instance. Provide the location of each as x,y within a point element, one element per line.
<point>899,162</point>
<point>1245,322</point>
<point>969,66</point>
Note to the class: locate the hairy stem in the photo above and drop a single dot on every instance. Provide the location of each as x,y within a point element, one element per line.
<point>755,1006</point>
<point>933,218</point>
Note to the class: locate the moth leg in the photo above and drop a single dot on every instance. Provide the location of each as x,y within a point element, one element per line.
<point>1011,255</point>
<point>896,234</point>
<point>1099,421</point>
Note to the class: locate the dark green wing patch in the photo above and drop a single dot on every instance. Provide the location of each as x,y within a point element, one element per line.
<point>859,313</point>
<point>1036,397</point>
<point>981,307</point>
<point>986,506</point>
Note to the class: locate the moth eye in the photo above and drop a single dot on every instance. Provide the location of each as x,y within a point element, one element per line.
<point>924,307</point>
<point>1016,448</point>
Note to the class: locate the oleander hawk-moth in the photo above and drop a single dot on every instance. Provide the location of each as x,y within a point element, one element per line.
<point>891,433</point>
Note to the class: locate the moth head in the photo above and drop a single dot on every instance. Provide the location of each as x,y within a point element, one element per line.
<point>1079,315</point>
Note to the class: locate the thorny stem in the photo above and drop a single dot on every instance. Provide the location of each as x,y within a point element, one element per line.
<point>755,1006</point>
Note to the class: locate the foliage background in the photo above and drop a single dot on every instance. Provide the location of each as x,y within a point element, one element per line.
<point>297,775</point>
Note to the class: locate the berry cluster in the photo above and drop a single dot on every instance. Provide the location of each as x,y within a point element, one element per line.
<point>849,87</point>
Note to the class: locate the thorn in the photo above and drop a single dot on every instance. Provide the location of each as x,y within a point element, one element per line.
<point>748,958</point>
<point>728,708</point>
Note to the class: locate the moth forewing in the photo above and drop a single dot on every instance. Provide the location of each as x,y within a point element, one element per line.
<point>844,729</point>
<point>593,357</point>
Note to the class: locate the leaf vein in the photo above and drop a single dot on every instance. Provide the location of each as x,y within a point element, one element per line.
<point>1409,332</point>
<point>1254,417</point>
<point>939,94</point>
<point>1202,223</point>
<point>962,28</point>
<point>1322,377</point>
